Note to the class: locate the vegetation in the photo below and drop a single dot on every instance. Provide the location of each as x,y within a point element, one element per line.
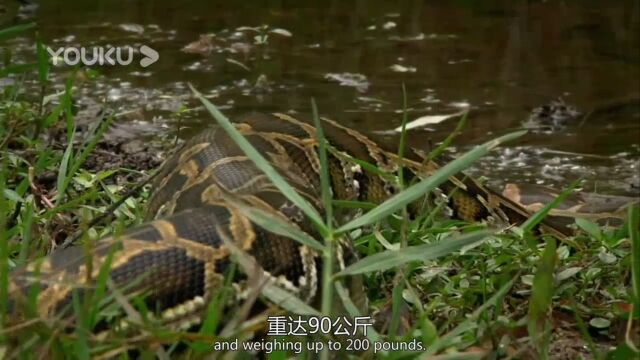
<point>464,291</point>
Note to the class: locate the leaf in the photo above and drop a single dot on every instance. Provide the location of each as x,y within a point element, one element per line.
<point>599,323</point>
<point>590,228</point>
<point>563,252</point>
<point>415,191</point>
<point>26,223</point>
<point>392,258</point>
<point>527,279</point>
<point>606,257</point>
<point>567,273</point>
<point>101,286</point>
<point>12,195</point>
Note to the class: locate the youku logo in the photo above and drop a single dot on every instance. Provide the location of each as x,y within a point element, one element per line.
<point>100,55</point>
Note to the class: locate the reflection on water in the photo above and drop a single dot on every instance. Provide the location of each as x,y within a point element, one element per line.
<point>500,59</point>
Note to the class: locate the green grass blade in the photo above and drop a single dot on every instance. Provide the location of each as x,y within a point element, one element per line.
<point>43,62</point>
<point>590,228</point>
<point>397,302</point>
<point>89,145</point>
<point>67,160</point>
<point>215,309</point>
<point>262,163</point>
<point>367,166</point>
<point>278,296</point>
<point>353,204</point>
<point>100,287</point>
<point>348,304</point>
<point>445,144</point>
<point>55,113</point>
<point>325,182</point>
<point>288,301</point>
<point>71,204</point>
<point>65,103</point>
<point>17,69</point>
<point>63,173</point>
<point>15,30</point>
<point>4,244</point>
<point>634,235</point>
<point>27,222</point>
<point>415,191</point>
<point>541,295</point>
<point>328,251</point>
<point>403,136</point>
<point>80,344</point>
<point>276,225</point>
<point>391,258</point>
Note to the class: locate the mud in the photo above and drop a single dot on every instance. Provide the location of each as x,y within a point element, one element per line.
<point>129,154</point>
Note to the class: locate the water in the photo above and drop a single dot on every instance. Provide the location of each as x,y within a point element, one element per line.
<point>498,59</point>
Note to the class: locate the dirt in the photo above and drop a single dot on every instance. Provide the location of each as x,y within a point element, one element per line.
<point>568,344</point>
<point>130,154</point>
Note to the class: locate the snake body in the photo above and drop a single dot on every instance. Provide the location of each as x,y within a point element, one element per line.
<point>178,258</point>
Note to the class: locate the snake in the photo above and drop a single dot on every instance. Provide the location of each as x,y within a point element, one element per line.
<point>178,258</point>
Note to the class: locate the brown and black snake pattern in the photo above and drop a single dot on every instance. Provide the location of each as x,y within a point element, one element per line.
<point>178,258</point>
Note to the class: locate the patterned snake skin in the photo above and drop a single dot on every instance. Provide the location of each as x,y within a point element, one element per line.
<point>178,258</point>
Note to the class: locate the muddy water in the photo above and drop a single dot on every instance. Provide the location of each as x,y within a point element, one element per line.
<point>497,59</point>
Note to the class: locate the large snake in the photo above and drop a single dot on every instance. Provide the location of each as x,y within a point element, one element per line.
<point>178,258</point>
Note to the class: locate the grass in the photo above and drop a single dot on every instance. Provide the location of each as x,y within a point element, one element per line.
<point>461,290</point>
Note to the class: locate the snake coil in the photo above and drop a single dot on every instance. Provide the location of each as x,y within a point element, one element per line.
<point>178,258</point>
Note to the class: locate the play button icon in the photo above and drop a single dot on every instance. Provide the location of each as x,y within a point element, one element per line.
<point>150,56</point>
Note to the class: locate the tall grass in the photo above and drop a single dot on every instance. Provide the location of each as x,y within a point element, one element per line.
<point>30,215</point>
